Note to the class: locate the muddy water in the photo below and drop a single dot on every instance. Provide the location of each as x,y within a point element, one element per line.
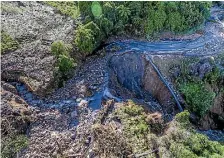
<point>182,47</point>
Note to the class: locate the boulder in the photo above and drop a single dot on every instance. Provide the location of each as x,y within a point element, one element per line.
<point>15,112</point>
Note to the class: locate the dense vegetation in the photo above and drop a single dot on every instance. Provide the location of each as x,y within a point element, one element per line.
<point>136,18</point>
<point>200,91</point>
<point>178,140</point>
<point>64,62</point>
<point>198,97</point>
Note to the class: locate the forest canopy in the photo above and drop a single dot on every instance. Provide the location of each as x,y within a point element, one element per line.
<point>136,18</point>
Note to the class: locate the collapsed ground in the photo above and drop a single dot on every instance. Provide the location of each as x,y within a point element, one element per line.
<point>142,127</point>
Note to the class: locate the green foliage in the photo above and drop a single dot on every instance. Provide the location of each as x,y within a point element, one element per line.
<point>88,37</point>
<point>85,8</point>
<point>201,146</point>
<point>11,146</point>
<point>215,76</point>
<point>185,142</point>
<point>85,40</point>
<point>132,109</point>
<point>8,43</point>
<point>175,21</point>
<point>137,18</point>
<point>179,150</point>
<point>133,118</point>
<point>105,25</point>
<point>176,16</point>
<point>134,124</point>
<point>109,11</point>
<point>183,118</point>
<point>59,48</point>
<point>197,97</point>
<point>123,13</point>
<point>98,36</point>
<point>67,8</point>
<point>65,63</point>
<point>177,141</point>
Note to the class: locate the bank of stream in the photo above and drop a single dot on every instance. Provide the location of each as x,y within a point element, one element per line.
<point>210,43</point>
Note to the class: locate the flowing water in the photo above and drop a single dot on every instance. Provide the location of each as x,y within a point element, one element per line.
<point>181,47</point>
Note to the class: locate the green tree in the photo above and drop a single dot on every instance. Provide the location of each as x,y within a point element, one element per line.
<point>65,63</point>
<point>85,8</point>
<point>198,97</point>
<point>109,11</point>
<point>123,13</point>
<point>85,40</point>
<point>59,48</point>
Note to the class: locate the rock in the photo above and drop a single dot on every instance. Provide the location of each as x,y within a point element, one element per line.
<point>214,118</point>
<point>8,87</point>
<point>201,68</point>
<point>35,26</point>
<point>15,112</point>
<point>83,103</point>
<point>74,114</point>
<point>79,99</point>
<point>73,136</point>
<point>83,89</point>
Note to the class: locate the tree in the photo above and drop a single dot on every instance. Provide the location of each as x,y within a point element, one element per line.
<point>123,13</point>
<point>85,40</point>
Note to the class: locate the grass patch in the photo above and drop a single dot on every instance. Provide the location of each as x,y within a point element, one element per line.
<point>66,8</point>
<point>8,43</point>
<point>12,145</point>
<point>10,9</point>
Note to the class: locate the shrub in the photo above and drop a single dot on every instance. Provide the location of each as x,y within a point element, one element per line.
<point>179,150</point>
<point>85,40</point>
<point>105,25</point>
<point>215,76</point>
<point>88,37</point>
<point>8,43</point>
<point>201,146</point>
<point>132,109</point>
<point>194,13</point>
<point>133,119</point>
<point>123,13</point>
<point>183,118</point>
<point>175,22</point>
<point>109,11</point>
<point>85,8</point>
<point>11,146</point>
<point>65,63</point>
<point>98,35</point>
<point>197,97</point>
<point>59,48</point>
<point>67,8</point>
